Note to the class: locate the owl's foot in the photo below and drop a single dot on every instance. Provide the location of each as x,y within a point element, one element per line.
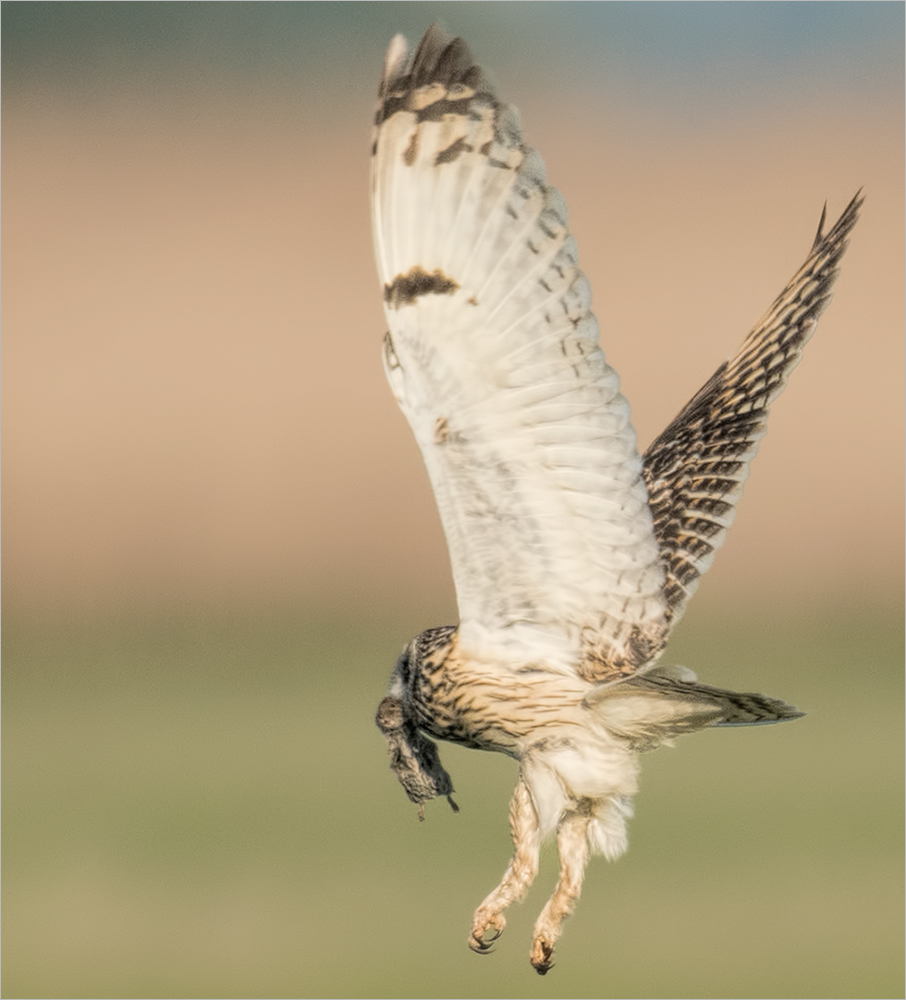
<point>542,952</point>
<point>487,926</point>
<point>572,845</point>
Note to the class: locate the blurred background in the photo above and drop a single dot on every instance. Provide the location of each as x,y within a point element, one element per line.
<point>218,532</point>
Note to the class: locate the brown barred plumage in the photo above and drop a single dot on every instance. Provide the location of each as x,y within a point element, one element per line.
<point>696,468</point>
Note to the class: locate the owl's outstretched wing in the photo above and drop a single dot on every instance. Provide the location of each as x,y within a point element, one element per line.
<point>696,469</point>
<point>494,358</point>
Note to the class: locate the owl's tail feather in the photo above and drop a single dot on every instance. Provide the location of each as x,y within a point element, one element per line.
<point>665,703</point>
<point>750,709</point>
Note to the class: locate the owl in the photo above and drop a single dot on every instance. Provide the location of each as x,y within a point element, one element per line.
<point>572,555</point>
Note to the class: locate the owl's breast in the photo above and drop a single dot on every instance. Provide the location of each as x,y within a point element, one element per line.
<point>488,707</point>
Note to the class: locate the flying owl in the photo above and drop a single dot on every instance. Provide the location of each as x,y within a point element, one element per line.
<point>573,556</point>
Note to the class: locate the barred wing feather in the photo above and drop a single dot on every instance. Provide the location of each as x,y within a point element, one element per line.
<point>494,358</point>
<point>696,469</point>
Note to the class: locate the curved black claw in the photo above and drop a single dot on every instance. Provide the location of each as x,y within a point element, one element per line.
<point>485,944</point>
<point>541,957</point>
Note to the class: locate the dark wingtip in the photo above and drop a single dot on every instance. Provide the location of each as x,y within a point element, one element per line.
<point>439,58</point>
<point>819,236</point>
<point>842,226</point>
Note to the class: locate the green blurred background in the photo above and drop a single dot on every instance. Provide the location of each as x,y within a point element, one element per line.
<point>218,533</point>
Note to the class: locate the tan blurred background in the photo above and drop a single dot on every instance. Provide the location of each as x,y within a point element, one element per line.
<point>195,421</point>
<point>195,408</point>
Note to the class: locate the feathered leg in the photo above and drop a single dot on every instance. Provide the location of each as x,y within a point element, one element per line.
<point>572,845</point>
<point>519,875</point>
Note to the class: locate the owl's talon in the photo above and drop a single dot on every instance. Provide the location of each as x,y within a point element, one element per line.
<point>542,952</point>
<point>485,932</point>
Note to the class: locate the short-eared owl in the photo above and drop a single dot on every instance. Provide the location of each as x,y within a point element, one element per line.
<point>573,556</point>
